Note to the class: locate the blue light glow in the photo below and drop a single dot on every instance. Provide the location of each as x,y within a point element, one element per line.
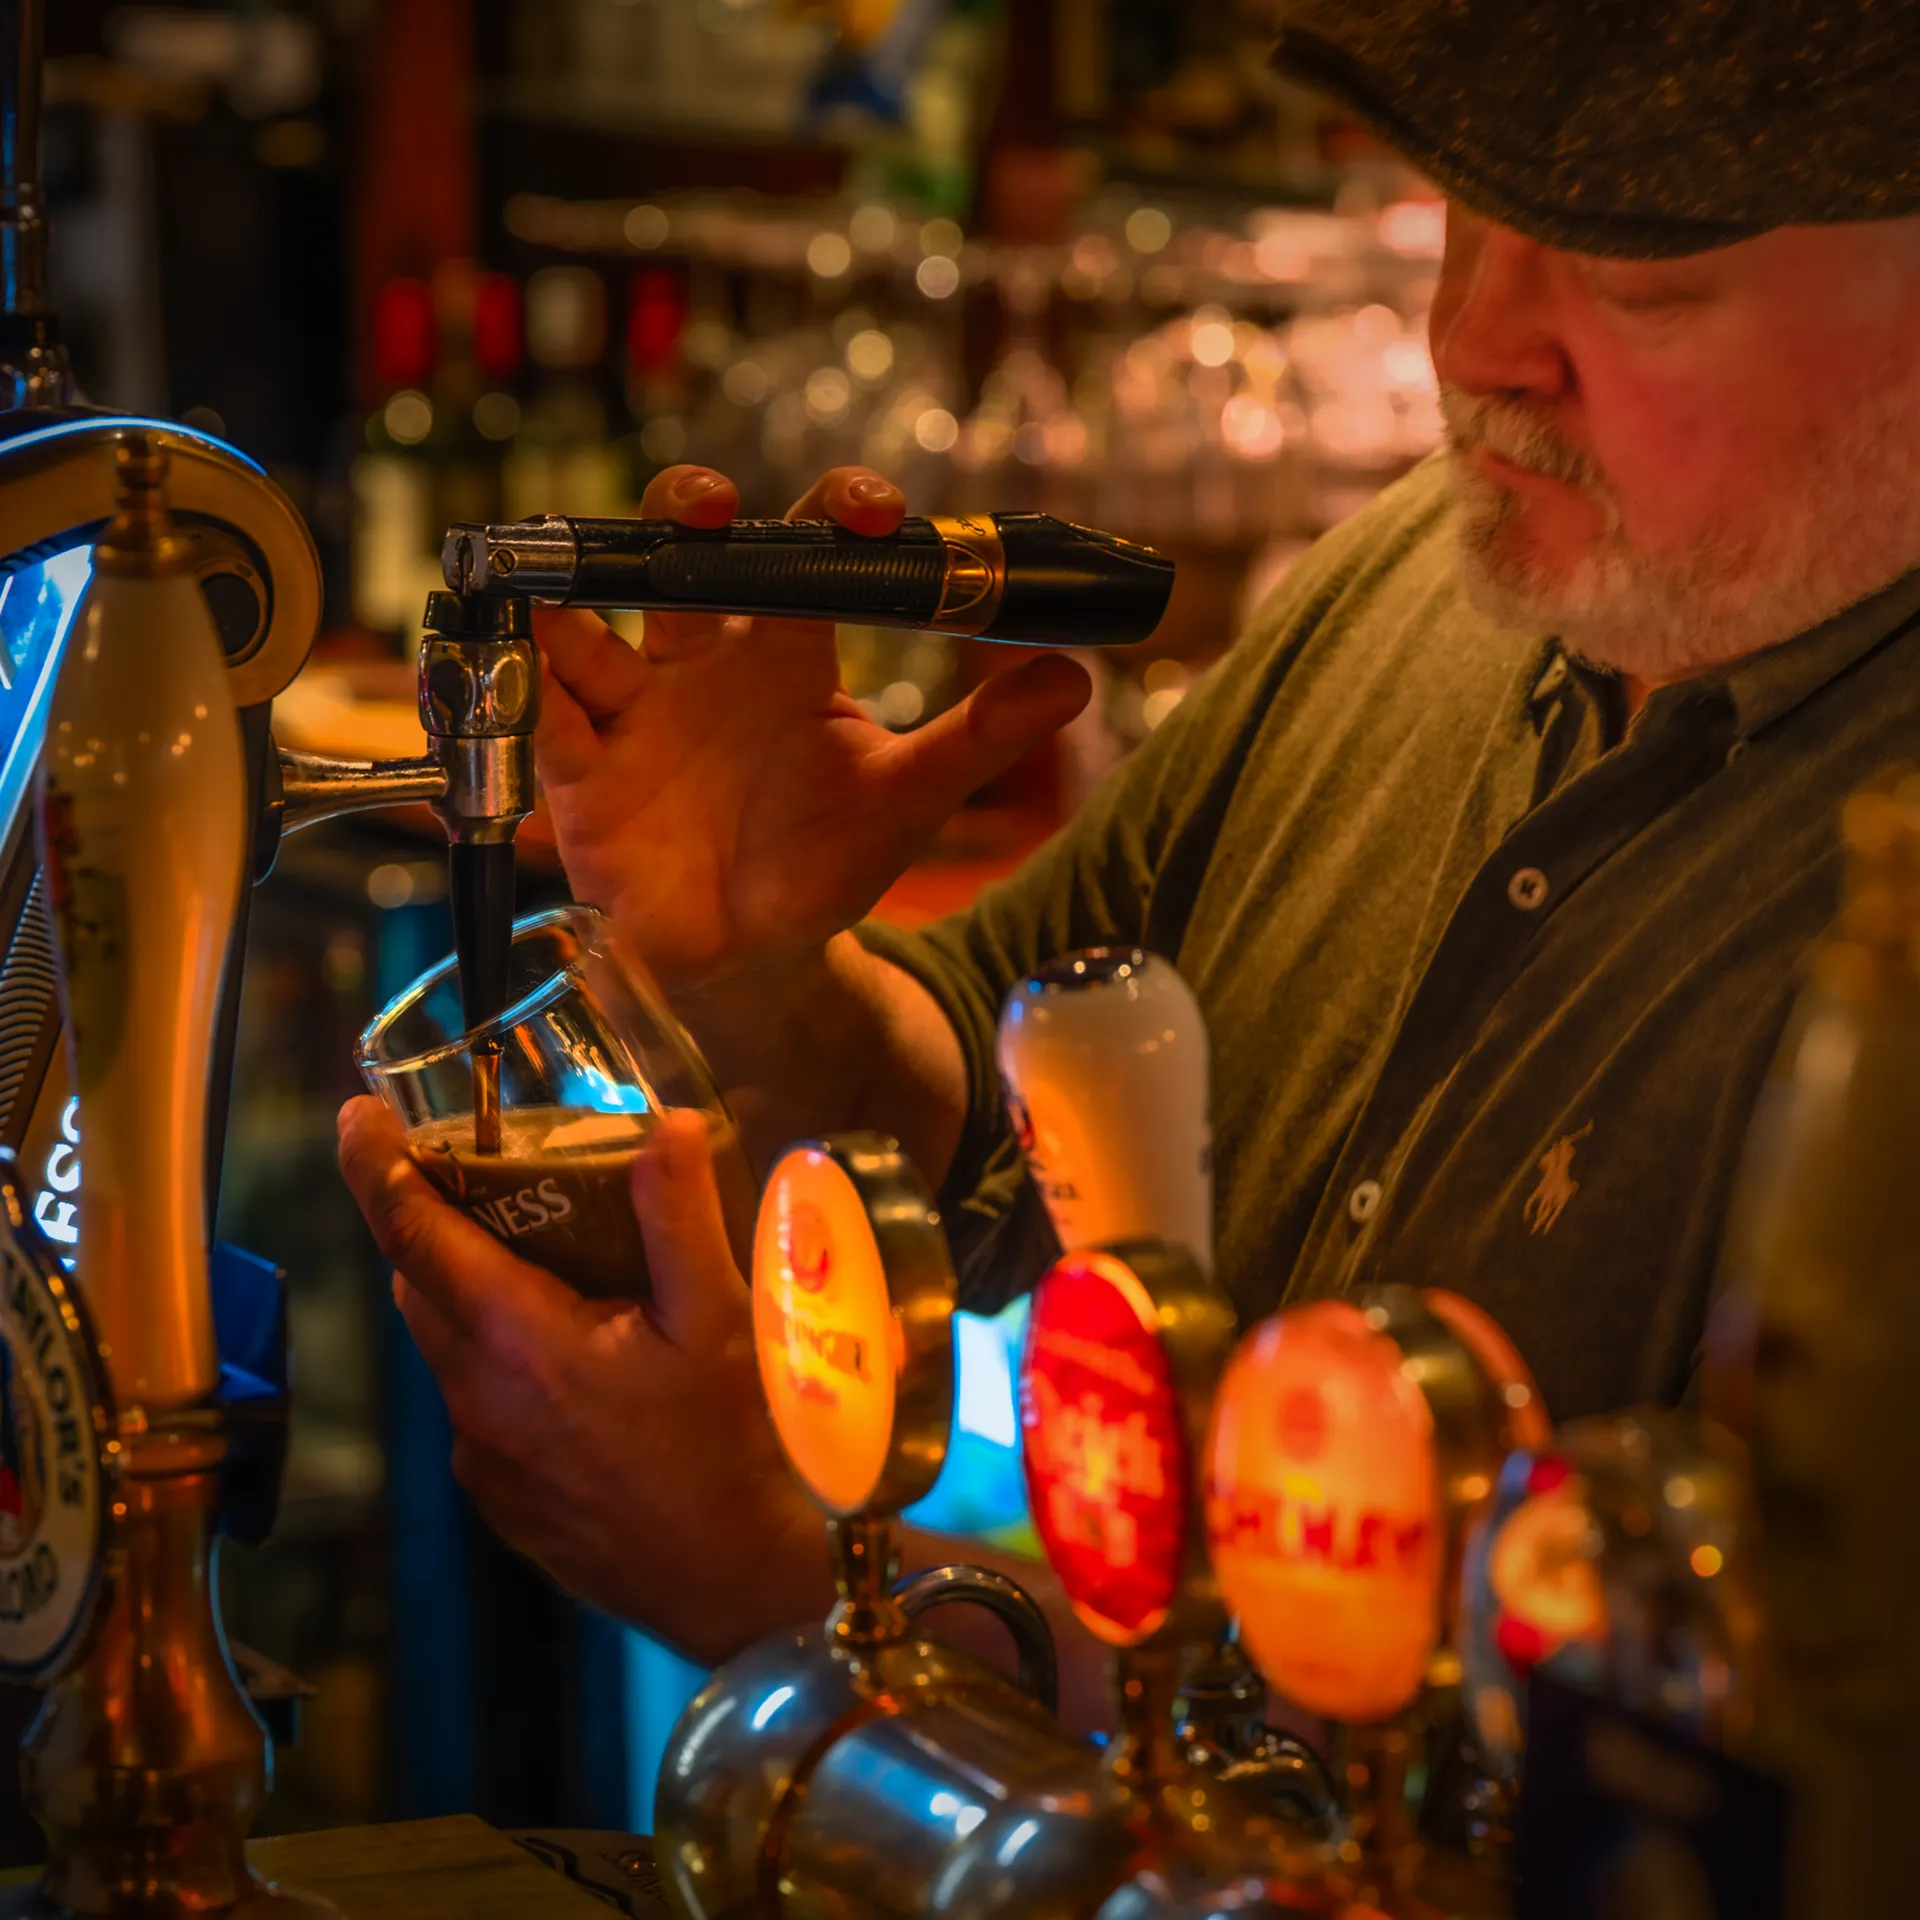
<point>768,1707</point>
<point>593,1090</point>
<point>1012,1845</point>
<point>981,1492</point>
<point>37,606</point>
<point>984,1404</point>
<point>121,422</point>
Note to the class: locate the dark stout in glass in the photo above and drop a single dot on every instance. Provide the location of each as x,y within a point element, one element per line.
<point>559,1192</point>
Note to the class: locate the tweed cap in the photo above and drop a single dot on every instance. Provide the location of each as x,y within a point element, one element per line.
<point>1637,128</point>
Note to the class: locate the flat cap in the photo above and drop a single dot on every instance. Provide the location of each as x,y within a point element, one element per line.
<point>1638,128</point>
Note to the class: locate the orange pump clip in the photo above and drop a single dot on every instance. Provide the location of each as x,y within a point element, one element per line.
<point>824,1330</point>
<point>1323,1514</point>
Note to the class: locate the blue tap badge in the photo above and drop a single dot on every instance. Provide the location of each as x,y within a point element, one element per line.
<point>58,1448</point>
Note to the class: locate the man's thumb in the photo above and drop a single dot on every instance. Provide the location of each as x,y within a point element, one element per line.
<point>947,759</point>
<point>698,1290</point>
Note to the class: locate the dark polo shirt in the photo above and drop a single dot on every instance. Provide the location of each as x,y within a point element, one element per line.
<point>1491,984</point>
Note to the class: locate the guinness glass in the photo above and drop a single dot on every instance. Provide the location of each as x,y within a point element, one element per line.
<point>590,1060</point>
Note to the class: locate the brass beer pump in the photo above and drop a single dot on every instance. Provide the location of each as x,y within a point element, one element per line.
<point>774,1796</point>
<point>147,1765</point>
<point>1125,1349</point>
<point>1351,1446</point>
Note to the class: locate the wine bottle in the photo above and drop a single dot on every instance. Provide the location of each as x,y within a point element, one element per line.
<point>1814,1354</point>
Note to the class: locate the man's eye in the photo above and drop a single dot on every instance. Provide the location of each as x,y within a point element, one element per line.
<point>1646,294</point>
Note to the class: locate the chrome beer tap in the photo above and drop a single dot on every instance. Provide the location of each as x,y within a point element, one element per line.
<point>773,1795</point>
<point>479,693</point>
<point>1105,1062</point>
<point>1022,578</point>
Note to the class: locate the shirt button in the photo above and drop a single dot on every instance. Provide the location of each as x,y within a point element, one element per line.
<point>1528,889</point>
<point>1363,1202</point>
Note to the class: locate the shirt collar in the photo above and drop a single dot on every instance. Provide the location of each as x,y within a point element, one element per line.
<point>1770,684</point>
<point>1595,690</point>
<point>1767,685</point>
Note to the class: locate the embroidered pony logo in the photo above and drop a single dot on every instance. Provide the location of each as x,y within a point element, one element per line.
<point>1557,1185</point>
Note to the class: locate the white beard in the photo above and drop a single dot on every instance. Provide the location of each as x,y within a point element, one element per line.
<point>1841,527</point>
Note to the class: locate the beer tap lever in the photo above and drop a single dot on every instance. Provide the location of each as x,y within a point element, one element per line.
<point>1026,578</point>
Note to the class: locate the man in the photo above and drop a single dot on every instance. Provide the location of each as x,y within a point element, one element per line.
<point>1490,852</point>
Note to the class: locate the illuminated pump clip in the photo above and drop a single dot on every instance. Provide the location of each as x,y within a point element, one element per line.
<point>1124,1350</point>
<point>780,1791</point>
<point>1620,1560</point>
<point>1352,1446</point>
<point>1106,1064</point>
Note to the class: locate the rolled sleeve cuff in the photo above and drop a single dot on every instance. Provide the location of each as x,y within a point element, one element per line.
<point>999,1230</point>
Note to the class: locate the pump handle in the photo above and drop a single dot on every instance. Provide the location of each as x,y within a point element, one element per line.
<point>1007,1600</point>
<point>1021,577</point>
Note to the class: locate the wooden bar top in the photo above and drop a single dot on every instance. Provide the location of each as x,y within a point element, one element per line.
<point>458,1868</point>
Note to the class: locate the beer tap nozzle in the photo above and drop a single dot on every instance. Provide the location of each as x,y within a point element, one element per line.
<point>479,700</point>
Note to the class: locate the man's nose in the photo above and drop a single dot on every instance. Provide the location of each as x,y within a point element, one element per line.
<point>1491,327</point>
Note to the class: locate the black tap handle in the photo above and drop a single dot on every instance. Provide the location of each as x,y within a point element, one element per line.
<point>805,568</point>
<point>1021,577</point>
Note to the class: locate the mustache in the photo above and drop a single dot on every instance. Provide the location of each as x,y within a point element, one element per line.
<point>1515,431</point>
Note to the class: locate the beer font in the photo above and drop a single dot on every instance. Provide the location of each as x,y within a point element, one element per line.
<point>1103,1059</point>
<point>765,1799</point>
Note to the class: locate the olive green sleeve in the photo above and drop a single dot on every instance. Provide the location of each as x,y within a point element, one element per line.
<point>1123,871</point>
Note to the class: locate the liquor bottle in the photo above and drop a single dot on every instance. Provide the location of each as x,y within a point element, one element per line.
<point>465,463</point>
<point>563,458</point>
<point>654,376</point>
<point>394,554</point>
<point>500,353</point>
<point>1814,1353</point>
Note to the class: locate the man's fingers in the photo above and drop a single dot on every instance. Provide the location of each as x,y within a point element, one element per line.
<point>441,1343</point>
<point>860,499</point>
<point>565,745</point>
<point>938,766</point>
<point>698,1293</point>
<point>458,1265</point>
<point>594,664</point>
<point>588,659</point>
<point>695,496</point>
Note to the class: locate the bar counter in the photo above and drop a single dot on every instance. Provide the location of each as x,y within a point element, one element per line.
<point>456,1868</point>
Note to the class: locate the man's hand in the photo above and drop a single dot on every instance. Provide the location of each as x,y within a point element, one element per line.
<point>721,795</point>
<point>624,1449</point>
